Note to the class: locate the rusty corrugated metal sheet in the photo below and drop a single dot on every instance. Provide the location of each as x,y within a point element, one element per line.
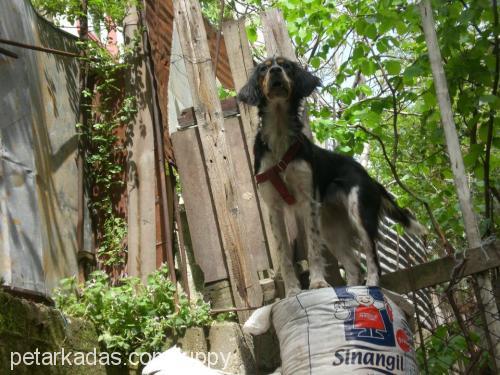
<point>38,112</point>
<point>159,16</point>
<point>223,69</point>
<point>160,20</point>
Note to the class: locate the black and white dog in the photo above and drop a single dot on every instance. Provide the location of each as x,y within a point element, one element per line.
<point>341,205</point>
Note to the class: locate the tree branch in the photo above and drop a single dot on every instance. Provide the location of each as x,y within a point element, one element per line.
<point>446,245</point>
<point>315,47</point>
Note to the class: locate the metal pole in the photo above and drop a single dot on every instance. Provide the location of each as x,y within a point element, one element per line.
<point>51,50</point>
<point>6,52</point>
<point>83,33</point>
<point>420,333</point>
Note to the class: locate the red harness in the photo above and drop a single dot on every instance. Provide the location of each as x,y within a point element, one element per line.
<point>273,173</point>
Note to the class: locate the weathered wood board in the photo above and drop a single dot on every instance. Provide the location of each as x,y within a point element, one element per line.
<point>278,42</point>
<point>440,271</point>
<point>241,63</point>
<point>199,206</point>
<point>253,234</point>
<point>219,164</point>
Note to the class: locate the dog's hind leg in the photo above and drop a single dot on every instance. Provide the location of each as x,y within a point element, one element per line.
<point>277,221</point>
<point>372,264</point>
<point>338,236</point>
<point>314,247</point>
<point>367,239</point>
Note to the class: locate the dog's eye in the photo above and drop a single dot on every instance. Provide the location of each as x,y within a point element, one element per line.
<point>263,68</point>
<point>286,65</point>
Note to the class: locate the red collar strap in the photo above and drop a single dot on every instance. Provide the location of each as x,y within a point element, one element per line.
<point>273,173</point>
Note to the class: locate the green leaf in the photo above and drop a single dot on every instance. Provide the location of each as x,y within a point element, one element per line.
<point>393,67</point>
<point>252,34</point>
<point>315,62</point>
<point>368,67</point>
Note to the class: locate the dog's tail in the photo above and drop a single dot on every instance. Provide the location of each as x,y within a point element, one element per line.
<point>400,215</point>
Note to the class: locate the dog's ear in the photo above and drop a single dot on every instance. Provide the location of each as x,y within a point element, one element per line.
<point>251,93</point>
<point>305,82</point>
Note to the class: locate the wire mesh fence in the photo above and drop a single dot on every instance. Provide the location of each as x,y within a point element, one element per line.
<point>457,333</point>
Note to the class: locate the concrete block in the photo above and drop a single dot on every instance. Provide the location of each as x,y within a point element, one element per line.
<point>267,352</point>
<point>233,348</point>
<point>219,294</point>
<point>194,341</point>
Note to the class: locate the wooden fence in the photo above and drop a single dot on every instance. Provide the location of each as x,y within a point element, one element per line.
<point>227,222</point>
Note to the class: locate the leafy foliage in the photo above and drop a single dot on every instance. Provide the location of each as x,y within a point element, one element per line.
<point>108,110</point>
<point>447,348</point>
<point>225,93</point>
<point>130,316</point>
<point>378,89</point>
<point>100,11</point>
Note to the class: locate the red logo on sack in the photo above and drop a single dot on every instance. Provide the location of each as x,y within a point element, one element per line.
<point>403,340</point>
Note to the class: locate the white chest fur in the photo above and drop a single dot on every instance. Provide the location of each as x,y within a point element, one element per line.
<point>276,132</point>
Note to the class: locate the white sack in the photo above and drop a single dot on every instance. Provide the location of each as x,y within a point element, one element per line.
<point>259,322</point>
<point>343,330</point>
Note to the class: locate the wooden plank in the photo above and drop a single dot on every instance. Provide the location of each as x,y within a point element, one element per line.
<point>440,271</point>
<point>218,159</point>
<point>241,63</point>
<point>187,117</point>
<point>253,232</point>
<point>200,212</point>
<point>278,42</point>
<point>140,166</point>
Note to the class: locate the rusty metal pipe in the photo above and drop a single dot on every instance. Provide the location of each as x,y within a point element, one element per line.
<point>83,33</point>
<point>232,309</point>
<point>38,48</point>
<point>6,52</point>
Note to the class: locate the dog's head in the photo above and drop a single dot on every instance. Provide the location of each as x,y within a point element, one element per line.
<point>278,79</point>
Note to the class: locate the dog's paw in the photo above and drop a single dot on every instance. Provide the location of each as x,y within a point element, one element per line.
<point>317,284</point>
<point>292,292</point>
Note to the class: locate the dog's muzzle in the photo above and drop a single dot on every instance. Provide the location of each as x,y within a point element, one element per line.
<point>277,84</point>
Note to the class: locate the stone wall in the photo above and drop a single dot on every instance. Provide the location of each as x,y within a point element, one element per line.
<point>28,327</point>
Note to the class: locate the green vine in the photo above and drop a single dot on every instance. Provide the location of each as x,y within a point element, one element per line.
<point>109,110</point>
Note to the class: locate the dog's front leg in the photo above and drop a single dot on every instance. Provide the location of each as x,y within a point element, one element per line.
<point>314,243</point>
<point>277,221</point>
